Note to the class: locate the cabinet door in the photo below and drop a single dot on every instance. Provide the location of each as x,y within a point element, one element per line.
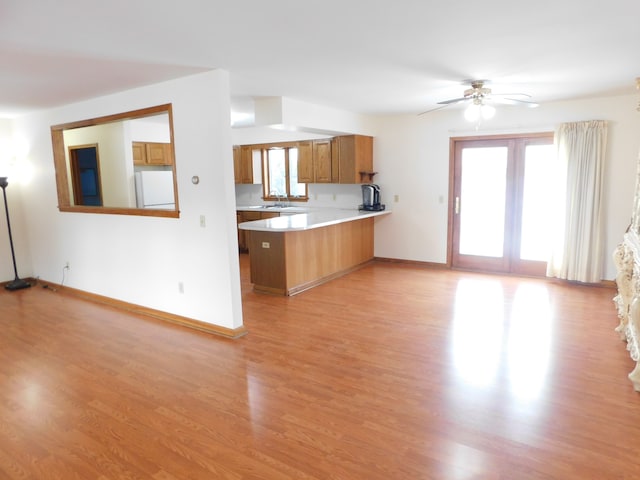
<point>305,162</point>
<point>237,174</point>
<point>246,164</point>
<point>355,155</point>
<point>242,238</point>
<point>139,153</point>
<point>322,161</point>
<point>168,154</point>
<point>157,153</point>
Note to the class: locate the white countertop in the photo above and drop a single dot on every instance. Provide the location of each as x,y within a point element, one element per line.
<point>272,208</point>
<point>315,218</point>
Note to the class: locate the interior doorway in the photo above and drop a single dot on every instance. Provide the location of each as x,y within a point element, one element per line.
<point>501,203</point>
<point>85,175</point>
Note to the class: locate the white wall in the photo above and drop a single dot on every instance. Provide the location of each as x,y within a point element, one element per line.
<point>150,129</point>
<point>141,259</point>
<point>412,155</point>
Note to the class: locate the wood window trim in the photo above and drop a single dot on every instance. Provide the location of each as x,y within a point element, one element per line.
<point>266,188</point>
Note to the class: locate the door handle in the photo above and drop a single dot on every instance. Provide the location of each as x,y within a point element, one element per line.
<point>457,205</point>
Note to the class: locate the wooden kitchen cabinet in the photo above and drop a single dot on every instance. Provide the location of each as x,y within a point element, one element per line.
<point>159,154</point>
<point>343,159</point>
<point>314,161</point>
<point>353,157</point>
<point>139,153</point>
<point>297,260</point>
<point>247,164</point>
<point>305,162</point>
<point>242,236</point>
<point>322,161</point>
<point>152,153</point>
<point>237,175</point>
<point>242,216</point>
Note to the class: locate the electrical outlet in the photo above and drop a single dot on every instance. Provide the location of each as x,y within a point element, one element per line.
<point>334,197</point>
<point>180,287</point>
<point>396,198</point>
<point>203,221</point>
<point>66,265</point>
<point>266,245</point>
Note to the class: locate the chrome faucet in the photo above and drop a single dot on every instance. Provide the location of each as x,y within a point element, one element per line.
<point>277,203</point>
<point>280,200</point>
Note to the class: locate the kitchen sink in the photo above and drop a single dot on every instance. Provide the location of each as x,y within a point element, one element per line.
<point>267,207</point>
<point>276,207</point>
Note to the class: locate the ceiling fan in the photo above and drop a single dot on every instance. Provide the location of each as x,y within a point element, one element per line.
<point>479,96</point>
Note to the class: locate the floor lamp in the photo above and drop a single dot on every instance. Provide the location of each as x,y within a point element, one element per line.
<point>18,283</point>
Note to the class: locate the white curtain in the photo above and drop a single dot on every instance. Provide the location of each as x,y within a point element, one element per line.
<point>577,226</point>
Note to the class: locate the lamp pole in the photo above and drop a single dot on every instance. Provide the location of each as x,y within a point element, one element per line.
<point>17,283</point>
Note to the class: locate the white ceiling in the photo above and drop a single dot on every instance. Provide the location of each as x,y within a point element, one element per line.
<point>373,56</point>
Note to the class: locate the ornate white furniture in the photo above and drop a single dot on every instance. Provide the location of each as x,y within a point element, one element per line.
<point>627,260</point>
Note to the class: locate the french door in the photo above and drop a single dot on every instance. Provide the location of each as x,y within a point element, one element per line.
<point>502,203</point>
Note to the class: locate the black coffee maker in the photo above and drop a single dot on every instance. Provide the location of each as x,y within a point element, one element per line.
<point>371,198</point>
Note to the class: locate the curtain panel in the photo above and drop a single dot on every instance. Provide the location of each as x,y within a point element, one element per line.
<point>577,226</point>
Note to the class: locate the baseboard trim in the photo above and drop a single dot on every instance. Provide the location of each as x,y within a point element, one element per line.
<point>610,284</point>
<point>149,312</point>
<point>441,266</point>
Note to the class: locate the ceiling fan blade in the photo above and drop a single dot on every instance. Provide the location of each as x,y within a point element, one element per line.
<point>432,110</point>
<point>454,100</point>
<point>515,101</point>
<point>511,95</point>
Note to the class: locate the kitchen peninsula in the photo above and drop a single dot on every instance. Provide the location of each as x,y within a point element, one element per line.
<point>290,254</point>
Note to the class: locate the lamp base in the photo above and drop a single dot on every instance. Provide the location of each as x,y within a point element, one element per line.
<point>17,284</point>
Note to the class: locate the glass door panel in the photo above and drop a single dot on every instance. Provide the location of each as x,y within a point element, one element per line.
<point>501,192</point>
<point>536,203</point>
<point>482,201</point>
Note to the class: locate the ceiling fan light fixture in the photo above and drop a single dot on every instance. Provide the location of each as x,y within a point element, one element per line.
<point>487,111</point>
<point>472,113</point>
<point>479,110</point>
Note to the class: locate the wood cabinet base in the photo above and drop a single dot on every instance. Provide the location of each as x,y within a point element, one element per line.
<point>286,263</point>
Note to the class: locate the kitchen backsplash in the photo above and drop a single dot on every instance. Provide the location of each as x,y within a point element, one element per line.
<point>320,195</point>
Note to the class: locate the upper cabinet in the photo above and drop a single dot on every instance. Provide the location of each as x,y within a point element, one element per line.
<point>152,153</point>
<point>353,156</point>
<point>322,161</point>
<point>343,159</point>
<point>314,161</point>
<point>247,164</point>
<point>305,162</point>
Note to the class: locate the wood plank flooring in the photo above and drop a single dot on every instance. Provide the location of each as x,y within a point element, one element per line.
<point>391,372</point>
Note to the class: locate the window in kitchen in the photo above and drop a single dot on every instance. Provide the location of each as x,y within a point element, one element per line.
<point>280,181</point>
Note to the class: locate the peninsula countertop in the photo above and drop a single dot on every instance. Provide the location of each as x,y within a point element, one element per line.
<point>314,218</point>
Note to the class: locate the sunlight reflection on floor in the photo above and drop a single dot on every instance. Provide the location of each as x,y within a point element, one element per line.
<point>494,340</point>
<point>478,328</point>
<point>529,341</point>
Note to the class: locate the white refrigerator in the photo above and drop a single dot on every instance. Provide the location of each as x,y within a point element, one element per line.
<point>154,189</point>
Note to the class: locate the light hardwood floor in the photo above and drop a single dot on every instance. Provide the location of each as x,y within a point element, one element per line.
<point>391,372</point>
